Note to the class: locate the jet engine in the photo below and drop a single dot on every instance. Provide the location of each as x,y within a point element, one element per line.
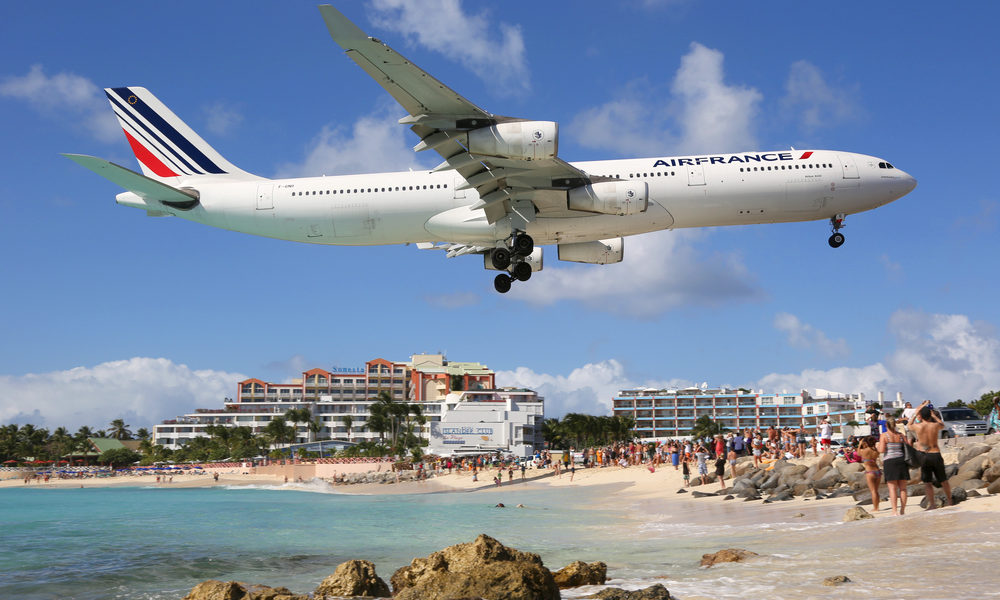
<point>611,198</point>
<point>601,252</point>
<point>530,140</point>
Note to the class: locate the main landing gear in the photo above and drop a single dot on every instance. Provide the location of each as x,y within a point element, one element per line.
<point>837,239</point>
<point>511,258</point>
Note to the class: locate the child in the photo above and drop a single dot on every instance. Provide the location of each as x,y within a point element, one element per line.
<point>686,470</point>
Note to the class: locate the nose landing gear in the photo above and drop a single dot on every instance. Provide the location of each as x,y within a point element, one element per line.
<point>512,260</point>
<point>837,239</point>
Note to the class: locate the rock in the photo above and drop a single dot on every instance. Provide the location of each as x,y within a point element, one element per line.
<point>828,480</point>
<point>995,454</point>
<point>992,474</point>
<point>483,568</point>
<point>971,484</point>
<point>579,573</point>
<point>972,493</point>
<point>697,494</point>
<point>729,497</point>
<point>957,495</point>
<point>825,461</point>
<point>771,482</point>
<point>801,488</point>
<point>971,451</point>
<point>950,470</point>
<point>994,487</point>
<point>653,592</point>
<point>848,468</point>
<point>233,590</point>
<point>856,514</point>
<point>726,555</point>
<point>796,515</point>
<point>354,578</point>
<point>682,491</point>
<point>809,493</point>
<point>975,465</point>
<point>782,496</point>
<point>916,489</point>
<point>749,498</point>
<point>840,492</point>
<point>836,580</point>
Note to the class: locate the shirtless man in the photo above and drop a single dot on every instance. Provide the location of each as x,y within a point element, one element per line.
<point>926,427</point>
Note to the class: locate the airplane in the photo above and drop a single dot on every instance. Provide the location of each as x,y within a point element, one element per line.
<point>502,190</point>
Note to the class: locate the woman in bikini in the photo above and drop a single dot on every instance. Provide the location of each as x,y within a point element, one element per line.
<point>869,458</point>
<point>897,474</point>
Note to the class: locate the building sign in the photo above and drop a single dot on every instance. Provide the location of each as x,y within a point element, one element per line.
<point>484,435</point>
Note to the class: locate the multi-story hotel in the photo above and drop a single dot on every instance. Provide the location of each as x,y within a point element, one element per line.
<point>428,380</point>
<point>672,413</point>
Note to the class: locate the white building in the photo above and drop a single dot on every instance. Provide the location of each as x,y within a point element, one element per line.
<point>504,420</point>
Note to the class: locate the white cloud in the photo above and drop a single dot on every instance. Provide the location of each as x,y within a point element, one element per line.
<point>444,27</point>
<point>816,103</point>
<point>661,271</point>
<point>804,335</point>
<point>587,389</point>
<point>704,115</point>
<point>937,356</point>
<point>65,96</point>
<point>375,143</point>
<point>143,391</point>
<point>221,119</point>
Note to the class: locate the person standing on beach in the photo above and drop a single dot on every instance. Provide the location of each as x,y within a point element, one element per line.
<point>701,455</point>
<point>826,435</point>
<point>927,427</point>
<point>869,458</point>
<point>896,472</point>
<point>686,471</point>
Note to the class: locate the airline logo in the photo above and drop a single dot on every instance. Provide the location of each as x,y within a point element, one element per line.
<point>156,143</point>
<point>728,159</point>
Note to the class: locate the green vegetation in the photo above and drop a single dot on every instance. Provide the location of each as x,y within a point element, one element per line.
<point>704,427</point>
<point>118,457</point>
<point>580,431</point>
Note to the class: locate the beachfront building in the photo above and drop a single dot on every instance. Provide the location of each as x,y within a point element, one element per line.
<point>507,420</point>
<point>661,414</point>
<point>431,381</point>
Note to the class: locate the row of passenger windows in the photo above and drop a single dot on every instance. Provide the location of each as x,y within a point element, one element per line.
<point>371,190</point>
<point>787,167</point>
<point>657,174</point>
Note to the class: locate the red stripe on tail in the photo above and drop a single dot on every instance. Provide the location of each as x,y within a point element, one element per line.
<point>146,157</point>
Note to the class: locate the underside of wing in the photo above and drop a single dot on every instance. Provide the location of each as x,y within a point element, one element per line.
<point>512,163</point>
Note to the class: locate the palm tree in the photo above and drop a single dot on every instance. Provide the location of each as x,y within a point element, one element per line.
<point>280,431</point>
<point>348,422</point>
<point>119,430</point>
<point>142,434</point>
<point>299,415</point>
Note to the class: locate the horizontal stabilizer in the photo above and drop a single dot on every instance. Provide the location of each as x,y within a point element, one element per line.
<point>140,185</point>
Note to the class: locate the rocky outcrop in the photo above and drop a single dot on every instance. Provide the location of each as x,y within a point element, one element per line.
<point>484,568</point>
<point>353,578</point>
<point>374,477</point>
<point>580,573</point>
<point>726,555</point>
<point>857,513</point>
<point>234,590</point>
<point>653,592</point>
<point>972,451</point>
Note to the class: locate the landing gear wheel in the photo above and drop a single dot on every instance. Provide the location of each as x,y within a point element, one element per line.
<point>500,258</point>
<point>836,240</point>
<point>502,283</point>
<point>523,245</point>
<point>521,271</point>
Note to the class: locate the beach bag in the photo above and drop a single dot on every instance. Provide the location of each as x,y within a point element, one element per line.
<point>912,457</point>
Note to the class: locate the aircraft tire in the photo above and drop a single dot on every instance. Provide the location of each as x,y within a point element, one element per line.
<point>502,283</point>
<point>523,244</point>
<point>836,240</point>
<point>500,257</point>
<point>521,271</point>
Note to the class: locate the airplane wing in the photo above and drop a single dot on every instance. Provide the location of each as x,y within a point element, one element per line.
<point>508,183</point>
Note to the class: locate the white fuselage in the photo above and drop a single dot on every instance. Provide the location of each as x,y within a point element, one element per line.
<point>407,207</point>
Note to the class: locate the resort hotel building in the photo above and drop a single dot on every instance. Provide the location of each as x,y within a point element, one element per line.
<point>661,414</point>
<point>464,410</point>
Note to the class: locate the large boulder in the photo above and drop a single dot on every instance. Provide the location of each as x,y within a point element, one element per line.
<point>971,484</point>
<point>484,568</point>
<point>234,590</point>
<point>957,495</point>
<point>580,573</point>
<point>846,468</point>
<point>971,451</point>
<point>829,478</point>
<point>354,578</point>
<point>992,474</point>
<point>975,465</point>
<point>856,514</point>
<point>653,592</point>
<point>994,487</point>
<point>825,461</point>
<point>726,555</point>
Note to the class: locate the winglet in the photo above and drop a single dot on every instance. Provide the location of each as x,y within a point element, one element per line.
<point>341,28</point>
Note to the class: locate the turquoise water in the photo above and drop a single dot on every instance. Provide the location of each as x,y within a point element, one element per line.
<point>144,543</point>
<point>158,543</point>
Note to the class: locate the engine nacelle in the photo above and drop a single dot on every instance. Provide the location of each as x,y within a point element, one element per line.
<point>611,198</point>
<point>601,252</point>
<point>534,259</point>
<point>530,140</point>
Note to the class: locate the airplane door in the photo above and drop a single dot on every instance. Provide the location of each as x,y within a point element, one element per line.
<point>850,168</point>
<point>265,197</point>
<point>696,175</point>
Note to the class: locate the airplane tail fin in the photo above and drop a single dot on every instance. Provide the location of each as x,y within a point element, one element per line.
<point>163,144</point>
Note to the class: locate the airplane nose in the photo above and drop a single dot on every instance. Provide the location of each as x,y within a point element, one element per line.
<point>908,182</point>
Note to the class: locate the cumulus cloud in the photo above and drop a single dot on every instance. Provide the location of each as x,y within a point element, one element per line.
<point>705,114</point>
<point>661,271</point>
<point>221,118</point>
<point>66,97</point>
<point>804,335</point>
<point>375,143</point>
<point>587,389</point>
<point>444,27</point>
<point>815,102</point>
<point>937,356</point>
<point>143,391</point>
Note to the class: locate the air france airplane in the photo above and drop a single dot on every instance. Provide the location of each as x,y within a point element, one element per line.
<point>502,190</point>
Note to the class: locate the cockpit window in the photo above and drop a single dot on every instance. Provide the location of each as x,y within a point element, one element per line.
<point>885,165</point>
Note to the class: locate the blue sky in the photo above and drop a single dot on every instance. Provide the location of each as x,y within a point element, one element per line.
<point>108,313</point>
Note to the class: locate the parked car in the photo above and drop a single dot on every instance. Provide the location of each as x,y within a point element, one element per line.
<point>961,422</point>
